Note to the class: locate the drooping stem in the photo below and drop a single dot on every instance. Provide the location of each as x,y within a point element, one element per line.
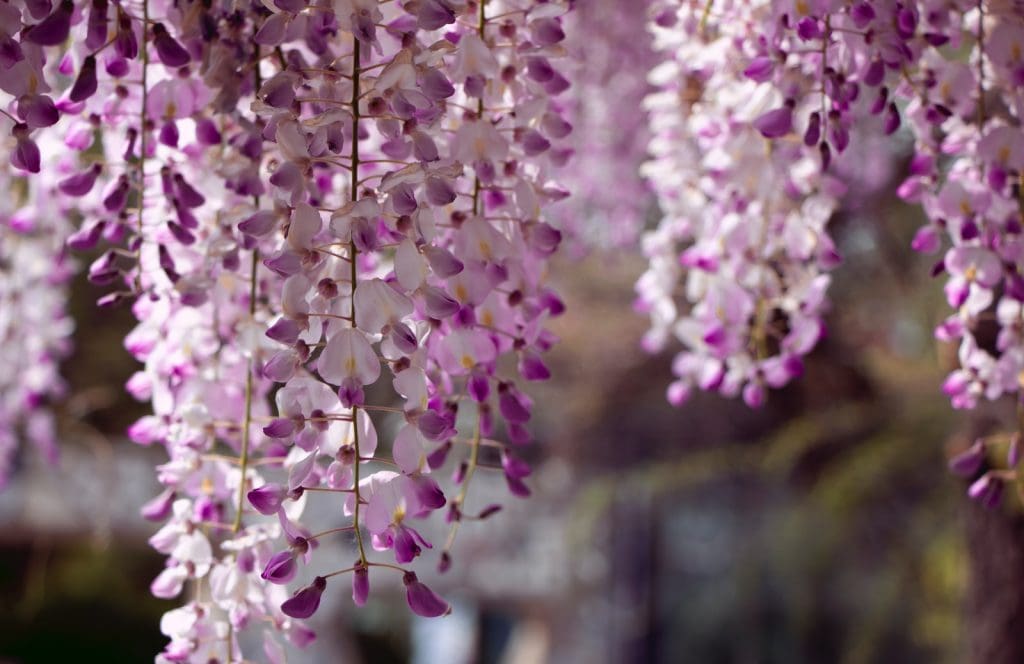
<point>141,173</point>
<point>353,277</point>
<point>981,65</point>
<point>474,449</point>
<point>460,499</point>
<point>243,461</point>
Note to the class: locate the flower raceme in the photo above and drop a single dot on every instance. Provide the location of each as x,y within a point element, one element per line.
<point>755,107</point>
<point>319,203</point>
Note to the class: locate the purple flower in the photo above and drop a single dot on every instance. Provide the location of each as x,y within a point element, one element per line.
<point>281,568</point>
<point>422,600</point>
<point>306,601</point>
<point>53,29</point>
<point>85,85</point>
<point>775,123</point>
<point>267,499</point>
<point>360,584</point>
<point>170,52</point>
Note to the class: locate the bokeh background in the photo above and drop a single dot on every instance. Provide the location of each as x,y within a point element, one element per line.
<point>821,528</point>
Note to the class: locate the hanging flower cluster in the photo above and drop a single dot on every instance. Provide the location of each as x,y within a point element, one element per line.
<point>610,203</point>
<point>317,209</point>
<point>756,110</point>
<point>35,328</point>
<point>739,261</point>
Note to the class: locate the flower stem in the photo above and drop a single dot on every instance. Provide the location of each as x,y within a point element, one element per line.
<point>354,276</point>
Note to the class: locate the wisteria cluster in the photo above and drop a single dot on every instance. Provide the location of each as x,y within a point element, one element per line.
<point>739,260</point>
<point>610,203</point>
<point>35,328</point>
<point>756,108</point>
<point>317,210</point>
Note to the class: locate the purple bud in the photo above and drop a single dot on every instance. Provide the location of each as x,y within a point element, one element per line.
<point>437,458</point>
<point>360,584</point>
<point>306,601</point>
<point>169,134</point>
<point>280,427</point>
<point>435,426</point>
<point>406,548</point>
<point>968,462</point>
<point>116,195</point>
<point>170,52</point>
<point>808,28</point>
<point>435,85</point>
<point>760,69</point>
<point>813,133</point>
<point>534,143</point>
<point>517,487</point>
<point>158,508</point>
<point>875,73</point>
<point>85,85</point>
<point>38,111</point>
<point>259,224</point>
<point>512,407</point>
<point>775,123</point>
<point>892,120</point>
<point>53,29</point>
<point>88,236</point>
<point>428,492</point>
<point>403,338</point>
<point>988,490</point>
<point>187,194</point>
<point>479,387</point>
<point>80,184</point>
<point>1013,454</point>
<point>403,199</point>
<point>125,43</point>
<point>281,568</point>
<point>285,331</point>
<point>351,392</point>
<point>531,367</point>
<point>546,31</point>
<point>267,499</point>
<point>515,467</point>
<point>422,600</point>
<point>207,132</point>
<point>273,30</point>
<point>423,147</point>
<point>438,304</point>
<point>281,366</point>
<point>862,13</point>
<point>96,35</point>
<point>442,262</point>
<point>439,191</point>
<point>279,91</point>
<point>433,14</point>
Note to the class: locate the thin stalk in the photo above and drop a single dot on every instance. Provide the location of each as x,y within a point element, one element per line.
<point>354,276</point>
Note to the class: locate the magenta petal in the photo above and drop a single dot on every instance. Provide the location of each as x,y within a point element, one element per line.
<point>775,123</point>
<point>267,498</point>
<point>360,584</point>
<point>281,568</point>
<point>422,600</point>
<point>170,52</point>
<point>306,601</point>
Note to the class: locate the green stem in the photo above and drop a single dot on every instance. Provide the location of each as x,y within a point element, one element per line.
<point>243,461</point>
<point>353,277</point>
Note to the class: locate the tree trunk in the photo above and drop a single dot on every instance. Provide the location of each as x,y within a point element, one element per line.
<point>995,596</point>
